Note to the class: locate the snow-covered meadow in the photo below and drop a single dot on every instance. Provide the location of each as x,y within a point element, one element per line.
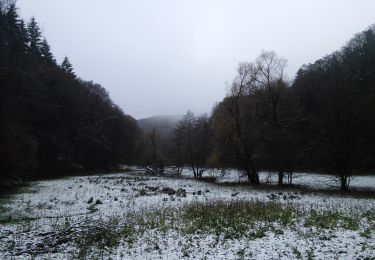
<point>135,216</point>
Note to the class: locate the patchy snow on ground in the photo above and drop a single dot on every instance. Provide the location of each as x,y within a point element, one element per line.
<point>34,221</point>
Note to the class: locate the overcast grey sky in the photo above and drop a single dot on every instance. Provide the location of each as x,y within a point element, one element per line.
<point>162,57</point>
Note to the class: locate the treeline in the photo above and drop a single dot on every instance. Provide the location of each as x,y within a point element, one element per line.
<point>323,121</point>
<point>52,122</point>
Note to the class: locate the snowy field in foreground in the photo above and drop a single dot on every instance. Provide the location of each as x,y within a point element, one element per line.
<point>40,210</point>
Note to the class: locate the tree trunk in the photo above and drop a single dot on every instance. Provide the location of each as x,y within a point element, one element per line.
<point>344,183</point>
<point>290,178</point>
<point>281,178</point>
<point>252,176</point>
<point>255,176</point>
<point>256,179</point>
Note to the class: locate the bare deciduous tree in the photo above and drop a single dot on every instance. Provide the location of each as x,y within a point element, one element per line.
<point>241,139</point>
<point>153,147</point>
<point>278,115</point>
<point>194,141</point>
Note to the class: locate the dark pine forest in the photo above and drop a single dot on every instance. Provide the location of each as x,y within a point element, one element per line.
<point>51,121</point>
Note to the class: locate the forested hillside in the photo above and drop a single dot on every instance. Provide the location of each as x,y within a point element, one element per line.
<point>51,121</point>
<point>337,94</point>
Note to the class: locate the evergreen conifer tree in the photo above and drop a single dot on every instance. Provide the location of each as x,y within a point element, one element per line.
<point>67,67</point>
<point>45,51</point>
<point>34,36</point>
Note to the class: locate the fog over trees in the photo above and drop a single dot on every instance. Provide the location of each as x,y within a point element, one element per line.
<point>54,123</point>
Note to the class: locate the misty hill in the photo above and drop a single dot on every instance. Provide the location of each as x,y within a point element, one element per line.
<point>163,124</point>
